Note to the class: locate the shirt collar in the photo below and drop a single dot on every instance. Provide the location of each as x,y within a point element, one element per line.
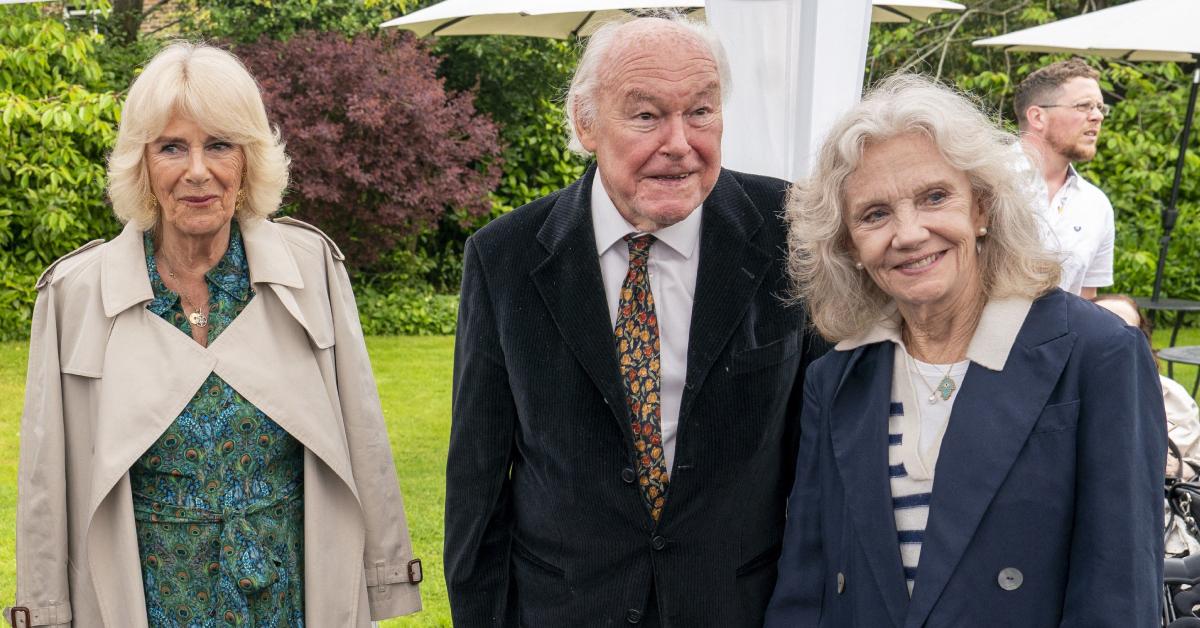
<point>230,275</point>
<point>994,337</point>
<point>610,226</point>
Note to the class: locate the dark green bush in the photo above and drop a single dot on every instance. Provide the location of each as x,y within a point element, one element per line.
<point>406,311</point>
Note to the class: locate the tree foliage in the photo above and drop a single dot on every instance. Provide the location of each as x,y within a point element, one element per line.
<point>520,82</point>
<point>57,122</point>
<point>380,150</point>
<point>247,21</point>
<point>1138,144</point>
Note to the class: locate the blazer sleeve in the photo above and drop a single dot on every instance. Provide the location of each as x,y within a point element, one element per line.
<point>797,598</point>
<point>388,551</point>
<point>478,515</point>
<point>1116,559</point>
<point>41,535</point>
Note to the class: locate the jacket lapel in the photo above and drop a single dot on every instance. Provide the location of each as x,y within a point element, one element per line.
<point>858,421</point>
<point>572,288</point>
<point>731,269</point>
<point>991,421</point>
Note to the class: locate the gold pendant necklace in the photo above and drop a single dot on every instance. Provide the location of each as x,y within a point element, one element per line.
<point>196,317</point>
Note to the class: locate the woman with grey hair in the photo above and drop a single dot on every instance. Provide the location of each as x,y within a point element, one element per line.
<point>202,443</point>
<point>981,448</point>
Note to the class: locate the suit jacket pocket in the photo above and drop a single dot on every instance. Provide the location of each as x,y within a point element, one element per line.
<point>770,354</point>
<point>1057,418</point>
<point>521,553</point>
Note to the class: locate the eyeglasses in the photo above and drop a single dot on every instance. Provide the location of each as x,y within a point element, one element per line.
<point>1084,107</point>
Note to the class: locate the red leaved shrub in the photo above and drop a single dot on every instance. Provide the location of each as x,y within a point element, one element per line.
<point>379,149</point>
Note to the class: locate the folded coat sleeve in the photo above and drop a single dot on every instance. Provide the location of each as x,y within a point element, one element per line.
<point>388,550</point>
<point>478,515</point>
<point>41,535</point>
<point>797,598</point>
<point>1116,559</point>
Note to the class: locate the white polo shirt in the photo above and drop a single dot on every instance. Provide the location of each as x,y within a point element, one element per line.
<point>1078,224</point>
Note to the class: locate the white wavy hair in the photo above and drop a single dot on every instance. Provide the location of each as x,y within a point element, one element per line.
<point>844,302</point>
<point>213,88</point>
<point>581,102</point>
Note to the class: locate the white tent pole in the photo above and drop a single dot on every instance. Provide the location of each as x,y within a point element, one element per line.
<point>797,65</point>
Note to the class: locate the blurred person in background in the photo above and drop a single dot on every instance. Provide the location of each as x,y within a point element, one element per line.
<point>1059,112</point>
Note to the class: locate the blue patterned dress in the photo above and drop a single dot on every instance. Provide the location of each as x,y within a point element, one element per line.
<point>218,499</point>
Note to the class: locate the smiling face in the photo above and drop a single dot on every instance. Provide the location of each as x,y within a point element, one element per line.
<point>657,129</point>
<point>1071,133</point>
<point>913,220</point>
<point>195,177</point>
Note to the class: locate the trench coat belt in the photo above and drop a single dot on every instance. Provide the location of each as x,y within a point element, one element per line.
<point>245,557</point>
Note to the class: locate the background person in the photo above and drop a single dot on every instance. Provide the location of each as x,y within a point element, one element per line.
<point>981,448</point>
<point>202,442</point>
<point>1183,422</point>
<point>626,375</point>
<point>1059,111</point>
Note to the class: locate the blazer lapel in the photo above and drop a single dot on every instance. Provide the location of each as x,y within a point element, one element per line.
<point>992,418</point>
<point>572,288</point>
<point>731,269</point>
<point>858,421</point>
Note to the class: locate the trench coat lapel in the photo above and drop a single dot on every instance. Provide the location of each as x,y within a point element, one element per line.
<point>572,288</point>
<point>858,420</point>
<point>150,375</point>
<point>992,418</point>
<point>731,269</point>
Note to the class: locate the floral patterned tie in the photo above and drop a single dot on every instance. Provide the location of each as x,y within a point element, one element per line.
<point>638,351</point>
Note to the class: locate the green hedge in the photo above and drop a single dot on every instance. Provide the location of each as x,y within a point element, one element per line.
<point>407,312</point>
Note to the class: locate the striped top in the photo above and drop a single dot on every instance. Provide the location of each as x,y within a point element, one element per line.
<point>915,430</point>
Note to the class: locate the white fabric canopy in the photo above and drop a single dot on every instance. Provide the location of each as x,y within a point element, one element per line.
<point>1146,30</point>
<point>797,65</point>
<point>564,19</point>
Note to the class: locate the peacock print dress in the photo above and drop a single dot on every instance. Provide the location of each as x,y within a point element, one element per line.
<point>218,498</point>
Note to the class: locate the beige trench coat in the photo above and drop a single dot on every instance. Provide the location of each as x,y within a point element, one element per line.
<point>107,377</point>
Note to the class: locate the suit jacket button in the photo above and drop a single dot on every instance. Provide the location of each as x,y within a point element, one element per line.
<point>658,542</point>
<point>1010,578</point>
<point>633,616</point>
<point>841,582</point>
<point>628,476</point>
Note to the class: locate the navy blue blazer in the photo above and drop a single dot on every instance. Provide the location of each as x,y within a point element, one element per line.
<point>1052,466</point>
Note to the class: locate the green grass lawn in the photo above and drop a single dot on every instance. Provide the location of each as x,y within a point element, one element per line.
<point>414,384</point>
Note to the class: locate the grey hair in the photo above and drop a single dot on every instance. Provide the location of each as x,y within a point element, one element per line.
<point>581,99</point>
<point>212,87</point>
<point>844,302</point>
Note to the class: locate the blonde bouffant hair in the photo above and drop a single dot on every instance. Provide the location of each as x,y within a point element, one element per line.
<point>844,302</point>
<point>213,88</point>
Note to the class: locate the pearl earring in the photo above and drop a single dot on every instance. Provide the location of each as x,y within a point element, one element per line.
<point>983,231</point>
<point>858,265</point>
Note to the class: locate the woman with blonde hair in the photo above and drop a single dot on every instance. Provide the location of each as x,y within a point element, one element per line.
<point>981,448</point>
<point>202,442</point>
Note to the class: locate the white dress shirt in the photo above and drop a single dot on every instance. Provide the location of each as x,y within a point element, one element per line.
<point>674,260</point>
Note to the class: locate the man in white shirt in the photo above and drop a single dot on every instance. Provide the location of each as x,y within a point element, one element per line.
<point>627,373</point>
<point>1059,111</point>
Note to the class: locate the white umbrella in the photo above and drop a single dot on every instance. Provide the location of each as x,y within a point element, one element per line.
<point>1145,30</point>
<point>564,19</point>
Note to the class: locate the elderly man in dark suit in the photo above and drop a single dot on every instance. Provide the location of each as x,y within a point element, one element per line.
<point>627,376</point>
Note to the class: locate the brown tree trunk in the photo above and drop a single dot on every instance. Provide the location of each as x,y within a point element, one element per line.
<point>128,14</point>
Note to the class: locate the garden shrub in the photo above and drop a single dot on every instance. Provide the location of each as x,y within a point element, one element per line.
<point>406,311</point>
<point>57,122</point>
<point>380,149</point>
